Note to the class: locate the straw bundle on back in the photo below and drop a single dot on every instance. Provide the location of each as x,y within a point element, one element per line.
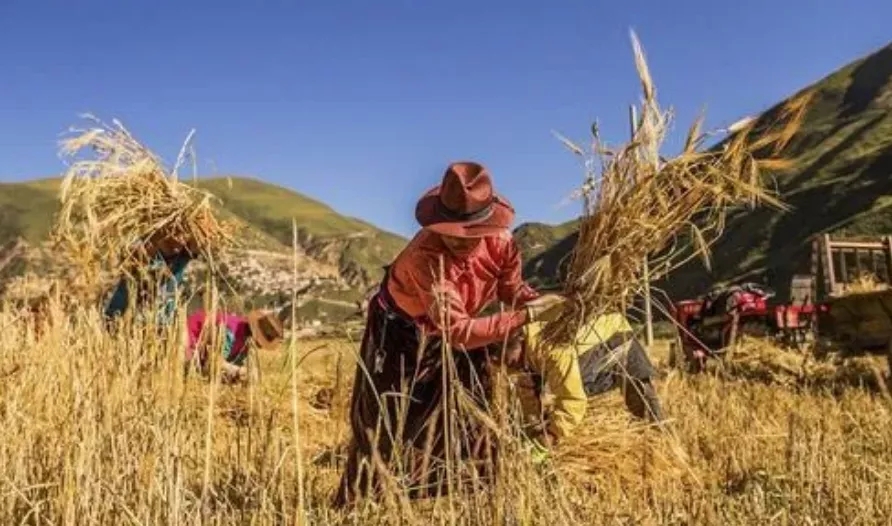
<point>642,204</point>
<point>123,197</point>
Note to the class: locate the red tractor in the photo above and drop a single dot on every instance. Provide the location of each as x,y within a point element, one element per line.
<point>708,325</point>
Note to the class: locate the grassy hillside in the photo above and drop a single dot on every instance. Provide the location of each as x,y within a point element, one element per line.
<point>26,209</point>
<point>841,183</point>
<point>356,247</point>
<point>535,238</point>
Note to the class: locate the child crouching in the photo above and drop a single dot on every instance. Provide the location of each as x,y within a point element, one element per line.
<point>263,330</point>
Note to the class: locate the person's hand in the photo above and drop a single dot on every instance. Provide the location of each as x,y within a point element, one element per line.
<point>513,356</point>
<point>508,353</point>
<point>545,308</point>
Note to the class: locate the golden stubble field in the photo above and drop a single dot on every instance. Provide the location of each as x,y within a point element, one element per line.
<point>102,430</point>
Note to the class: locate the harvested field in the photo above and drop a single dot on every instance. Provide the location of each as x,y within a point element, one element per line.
<point>105,431</point>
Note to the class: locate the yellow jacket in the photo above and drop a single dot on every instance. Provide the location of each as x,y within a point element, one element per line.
<point>559,368</point>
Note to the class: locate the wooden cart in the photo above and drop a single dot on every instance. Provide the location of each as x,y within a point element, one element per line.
<point>855,321</point>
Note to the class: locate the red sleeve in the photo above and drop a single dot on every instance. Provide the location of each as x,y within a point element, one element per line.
<point>513,290</point>
<point>195,322</point>
<point>446,314</point>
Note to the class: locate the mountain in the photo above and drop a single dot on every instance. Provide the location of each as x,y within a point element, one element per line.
<point>841,184</point>
<point>338,257</point>
<point>358,249</point>
<point>535,238</point>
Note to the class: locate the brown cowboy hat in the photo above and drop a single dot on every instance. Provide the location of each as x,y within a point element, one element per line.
<point>464,204</point>
<point>266,328</point>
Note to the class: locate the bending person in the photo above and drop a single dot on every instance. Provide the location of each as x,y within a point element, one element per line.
<point>462,260</point>
<point>605,355</point>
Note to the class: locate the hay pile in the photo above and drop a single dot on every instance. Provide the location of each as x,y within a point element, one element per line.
<point>760,359</point>
<point>641,204</point>
<point>120,196</point>
<point>864,283</point>
<point>608,453</point>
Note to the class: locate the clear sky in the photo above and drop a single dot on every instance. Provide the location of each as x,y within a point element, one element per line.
<point>361,104</point>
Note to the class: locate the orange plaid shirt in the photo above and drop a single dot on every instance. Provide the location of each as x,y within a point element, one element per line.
<point>492,271</point>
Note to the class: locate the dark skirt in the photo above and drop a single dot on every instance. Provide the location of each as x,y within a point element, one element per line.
<point>397,407</point>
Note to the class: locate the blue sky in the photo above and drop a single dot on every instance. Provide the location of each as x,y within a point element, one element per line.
<point>361,104</point>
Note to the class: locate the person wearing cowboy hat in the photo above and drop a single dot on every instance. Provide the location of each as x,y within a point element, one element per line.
<point>432,295</point>
<point>265,330</point>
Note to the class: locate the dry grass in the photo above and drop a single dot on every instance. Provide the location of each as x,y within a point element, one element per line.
<point>642,204</point>
<point>120,196</point>
<point>106,431</point>
<point>760,360</point>
<point>865,282</point>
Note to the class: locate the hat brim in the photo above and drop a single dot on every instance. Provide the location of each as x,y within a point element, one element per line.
<point>258,334</point>
<point>427,213</point>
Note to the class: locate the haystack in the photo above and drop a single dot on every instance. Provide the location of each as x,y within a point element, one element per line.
<point>864,283</point>
<point>119,196</point>
<point>759,358</point>
<point>643,205</point>
<point>608,453</point>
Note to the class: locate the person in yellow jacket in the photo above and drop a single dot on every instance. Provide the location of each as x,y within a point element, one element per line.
<point>605,355</point>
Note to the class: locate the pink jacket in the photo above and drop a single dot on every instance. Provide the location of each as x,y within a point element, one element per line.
<point>234,340</point>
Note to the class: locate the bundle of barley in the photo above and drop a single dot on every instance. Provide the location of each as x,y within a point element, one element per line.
<point>607,452</point>
<point>643,204</point>
<point>122,197</point>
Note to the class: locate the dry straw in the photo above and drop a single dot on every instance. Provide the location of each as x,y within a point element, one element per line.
<point>643,204</point>
<point>608,454</point>
<point>120,196</point>
<point>864,283</point>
